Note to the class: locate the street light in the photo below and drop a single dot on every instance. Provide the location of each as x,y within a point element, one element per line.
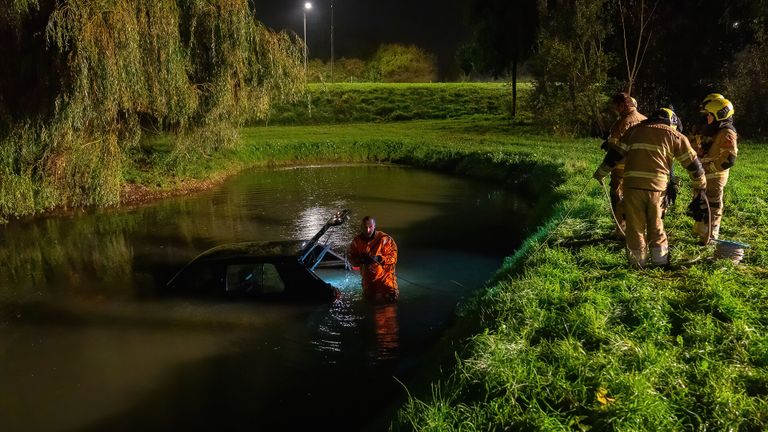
<point>332,41</point>
<point>307,6</point>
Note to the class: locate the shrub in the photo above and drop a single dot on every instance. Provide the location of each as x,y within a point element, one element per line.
<point>402,63</point>
<point>748,89</point>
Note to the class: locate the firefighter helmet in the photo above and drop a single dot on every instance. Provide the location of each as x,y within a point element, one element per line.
<point>709,98</point>
<point>721,109</point>
<point>668,117</point>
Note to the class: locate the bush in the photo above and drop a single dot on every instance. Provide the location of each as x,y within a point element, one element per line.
<point>402,63</point>
<point>747,87</point>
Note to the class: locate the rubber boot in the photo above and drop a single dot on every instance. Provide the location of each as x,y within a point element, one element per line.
<point>636,257</point>
<point>660,255</point>
<point>702,230</point>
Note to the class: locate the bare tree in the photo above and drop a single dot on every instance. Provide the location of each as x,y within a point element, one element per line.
<point>644,34</point>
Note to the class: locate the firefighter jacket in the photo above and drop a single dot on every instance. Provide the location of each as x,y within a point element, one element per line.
<point>378,277</point>
<point>628,119</point>
<point>719,155</point>
<point>648,150</point>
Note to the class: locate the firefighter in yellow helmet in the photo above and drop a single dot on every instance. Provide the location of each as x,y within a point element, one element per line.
<point>648,150</point>
<point>626,107</point>
<point>697,139</point>
<point>718,153</point>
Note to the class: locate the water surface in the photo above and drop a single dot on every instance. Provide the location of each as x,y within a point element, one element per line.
<point>88,341</point>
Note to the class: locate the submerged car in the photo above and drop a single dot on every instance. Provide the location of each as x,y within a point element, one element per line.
<point>266,271</point>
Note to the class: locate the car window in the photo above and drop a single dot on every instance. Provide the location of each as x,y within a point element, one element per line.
<point>271,280</point>
<point>202,278</point>
<point>253,279</point>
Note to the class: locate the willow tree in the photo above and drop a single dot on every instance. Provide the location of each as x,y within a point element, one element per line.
<point>108,72</point>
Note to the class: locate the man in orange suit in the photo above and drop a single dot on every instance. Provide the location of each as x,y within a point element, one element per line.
<point>375,252</point>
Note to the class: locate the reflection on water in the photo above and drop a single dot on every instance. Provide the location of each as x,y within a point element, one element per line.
<point>387,331</point>
<point>90,341</point>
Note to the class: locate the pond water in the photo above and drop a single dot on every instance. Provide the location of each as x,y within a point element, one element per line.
<point>88,341</point>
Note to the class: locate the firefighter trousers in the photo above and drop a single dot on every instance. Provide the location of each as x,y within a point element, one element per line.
<point>715,186</point>
<point>645,229</point>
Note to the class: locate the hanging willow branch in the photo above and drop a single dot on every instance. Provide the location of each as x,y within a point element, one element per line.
<point>197,69</point>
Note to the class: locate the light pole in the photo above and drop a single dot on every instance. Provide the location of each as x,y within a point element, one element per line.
<point>307,7</point>
<point>331,41</point>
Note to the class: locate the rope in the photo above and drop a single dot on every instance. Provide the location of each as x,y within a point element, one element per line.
<point>565,216</point>
<point>400,278</point>
<point>613,213</point>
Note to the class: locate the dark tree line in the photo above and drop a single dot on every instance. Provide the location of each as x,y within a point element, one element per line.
<point>693,48</point>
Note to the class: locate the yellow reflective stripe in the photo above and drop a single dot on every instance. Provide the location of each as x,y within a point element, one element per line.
<point>643,146</point>
<point>622,146</point>
<point>644,174</point>
<point>685,157</point>
<point>717,174</point>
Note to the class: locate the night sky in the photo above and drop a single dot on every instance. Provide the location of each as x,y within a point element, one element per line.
<point>362,25</point>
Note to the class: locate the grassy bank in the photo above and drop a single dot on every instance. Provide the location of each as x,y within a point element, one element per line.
<point>365,102</point>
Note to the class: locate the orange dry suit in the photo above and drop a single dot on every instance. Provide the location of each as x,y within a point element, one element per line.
<point>648,150</point>
<point>718,154</point>
<point>379,279</point>
<point>628,118</point>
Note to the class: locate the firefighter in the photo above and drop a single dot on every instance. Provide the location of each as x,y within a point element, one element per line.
<point>626,107</point>
<point>648,150</point>
<point>375,252</point>
<point>718,154</point>
<point>697,139</point>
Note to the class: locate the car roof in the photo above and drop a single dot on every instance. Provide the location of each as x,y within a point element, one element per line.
<point>251,250</point>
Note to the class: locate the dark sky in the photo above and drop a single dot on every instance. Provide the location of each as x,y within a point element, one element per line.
<point>362,25</point>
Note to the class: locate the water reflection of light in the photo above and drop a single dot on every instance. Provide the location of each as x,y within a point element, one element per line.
<point>346,281</point>
<point>310,220</point>
<point>350,317</point>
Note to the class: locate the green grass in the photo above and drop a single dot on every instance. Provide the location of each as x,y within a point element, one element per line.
<point>363,102</point>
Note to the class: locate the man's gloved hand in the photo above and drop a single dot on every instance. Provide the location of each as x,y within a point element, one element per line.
<point>367,259</point>
<point>597,176</point>
<point>392,296</point>
<point>697,209</point>
<point>378,259</point>
<point>604,146</point>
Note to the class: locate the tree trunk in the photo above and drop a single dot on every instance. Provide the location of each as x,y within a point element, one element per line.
<point>514,84</point>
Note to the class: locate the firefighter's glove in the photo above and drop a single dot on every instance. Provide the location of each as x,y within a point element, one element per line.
<point>604,146</point>
<point>378,259</point>
<point>670,195</point>
<point>367,260</point>
<point>598,176</point>
<point>697,209</point>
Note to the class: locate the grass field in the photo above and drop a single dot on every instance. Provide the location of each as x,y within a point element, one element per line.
<point>567,337</point>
